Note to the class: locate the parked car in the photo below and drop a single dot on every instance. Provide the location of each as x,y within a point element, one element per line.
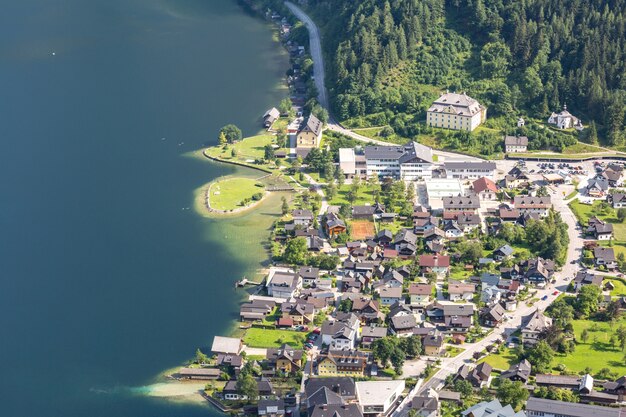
<point>555,293</point>
<point>544,298</point>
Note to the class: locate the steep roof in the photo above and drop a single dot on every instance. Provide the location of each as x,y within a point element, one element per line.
<point>516,141</point>
<point>536,322</point>
<point>460,104</point>
<point>313,124</point>
<point>484,184</point>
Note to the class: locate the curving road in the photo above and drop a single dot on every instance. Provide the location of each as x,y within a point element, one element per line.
<point>315,48</point>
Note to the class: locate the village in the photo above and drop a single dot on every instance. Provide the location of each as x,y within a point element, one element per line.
<point>412,281</point>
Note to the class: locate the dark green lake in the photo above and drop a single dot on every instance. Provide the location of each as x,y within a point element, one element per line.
<point>107,276</point>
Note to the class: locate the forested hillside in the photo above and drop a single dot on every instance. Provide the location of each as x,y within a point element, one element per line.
<point>518,57</point>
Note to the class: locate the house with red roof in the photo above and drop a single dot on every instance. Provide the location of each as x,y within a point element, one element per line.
<point>485,189</point>
<point>434,263</point>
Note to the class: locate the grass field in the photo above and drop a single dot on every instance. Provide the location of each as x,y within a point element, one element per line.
<point>372,133</point>
<point>248,148</point>
<point>365,196</point>
<point>597,353</point>
<point>266,338</point>
<point>362,229</point>
<point>620,286</point>
<point>228,193</point>
<point>584,211</point>
<point>502,360</point>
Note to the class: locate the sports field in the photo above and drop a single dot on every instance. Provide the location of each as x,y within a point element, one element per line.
<point>362,229</point>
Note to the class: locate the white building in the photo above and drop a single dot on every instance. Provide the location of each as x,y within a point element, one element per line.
<point>411,162</point>
<point>565,120</point>
<point>515,144</point>
<point>470,170</point>
<point>352,164</point>
<point>457,112</point>
<point>376,398</point>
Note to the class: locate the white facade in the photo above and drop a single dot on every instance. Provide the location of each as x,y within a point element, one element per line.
<point>377,397</point>
<point>470,170</point>
<point>457,112</point>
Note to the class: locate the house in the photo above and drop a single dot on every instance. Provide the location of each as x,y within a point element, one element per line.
<point>485,189</point>
<point>423,224</point>
<point>458,290</point>
<point>299,312</point>
<point>256,309</point>
<point>492,316</point>
<point>310,133</point>
<point>565,120</point>
<point>308,274</point>
<point>370,334</point>
<point>376,398</point>
<point>335,410</point>
<point>618,200</point>
<point>533,325</point>
<point>402,326</point>
<point>405,243</point>
<point>538,270</point>
<point>515,144</point>
<point>384,237</point>
<point>604,257</point>
<point>597,187</point>
<point>344,362</point>
<point>342,332</point>
<point>367,309</point>
<point>285,359</point>
<point>583,278</point>
<point>458,318</point>
<point>542,407</point>
<point>469,170</point>
<point>492,408</point>
<point>502,253</point>
<point>613,174</point>
<point>302,217</point>
<point>468,222</point>
<point>271,408</point>
<point>231,393</point>
<point>390,295</point>
<point>452,229</point>
<point>229,361</point>
<point>342,387</point>
<point>507,214</point>
<point>599,229</point>
<point>270,117</point>
<point>433,343</point>
<point>426,405</point>
<point>420,294</point>
<point>229,345</point>
<point>527,204</point>
<point>434,263</point>
<point>518,372</point>
<point>199,373</point>
<point>410,162</point>
<point>456,111</point>
<point>367,212</point>
<point>479,376</point>
<point>283,283</point>
<point>334,225</point>
<point>466,204</point>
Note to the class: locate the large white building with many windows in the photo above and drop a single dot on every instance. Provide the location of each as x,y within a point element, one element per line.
<point>457,112</point>
<point>411,162</point>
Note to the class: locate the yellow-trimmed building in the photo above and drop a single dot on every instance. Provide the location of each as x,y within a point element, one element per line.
<point>285,359</point>
<point>457,112</point>
<point>310,133</point>
<point>343,362</point>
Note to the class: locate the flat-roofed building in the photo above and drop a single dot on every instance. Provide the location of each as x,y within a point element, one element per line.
<point>470,170</point>
<point>377,398</point>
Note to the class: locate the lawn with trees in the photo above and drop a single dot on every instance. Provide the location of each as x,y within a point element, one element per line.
<point>232,193</point>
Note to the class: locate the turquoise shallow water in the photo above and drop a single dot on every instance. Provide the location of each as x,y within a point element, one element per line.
<point>107,276</point>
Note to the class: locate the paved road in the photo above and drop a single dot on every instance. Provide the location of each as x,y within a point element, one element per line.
<point>450,366</point>
<point>315,48</point>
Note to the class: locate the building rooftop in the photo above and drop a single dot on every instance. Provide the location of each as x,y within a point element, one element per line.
<point>372,393</point>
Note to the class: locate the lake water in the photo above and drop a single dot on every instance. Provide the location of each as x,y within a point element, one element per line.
<point>107,275</point>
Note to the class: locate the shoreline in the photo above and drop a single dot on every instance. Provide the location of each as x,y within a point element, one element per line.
<point>164,385</point>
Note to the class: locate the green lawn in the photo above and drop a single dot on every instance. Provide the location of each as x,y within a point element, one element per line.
<point>502,360</point>
<point>579,148</point>
<point>247,148</point>
<point>266,338</point>
<point>571,195</point>
<point>597,353</point>
<point>584,211</point>
<point>228,193</point>
<point>620,286</point>
<point>372,133</point>
<point>365,196</point>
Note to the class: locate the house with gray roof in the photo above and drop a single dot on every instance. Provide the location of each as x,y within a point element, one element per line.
<point>527,204</point>
<point>518,372</point>
<point>515,144</point>
<point>468,204</point>
<point>492,409</point>
<point>542,407</point>
<point>533,325</point>
<point>310,133</point>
